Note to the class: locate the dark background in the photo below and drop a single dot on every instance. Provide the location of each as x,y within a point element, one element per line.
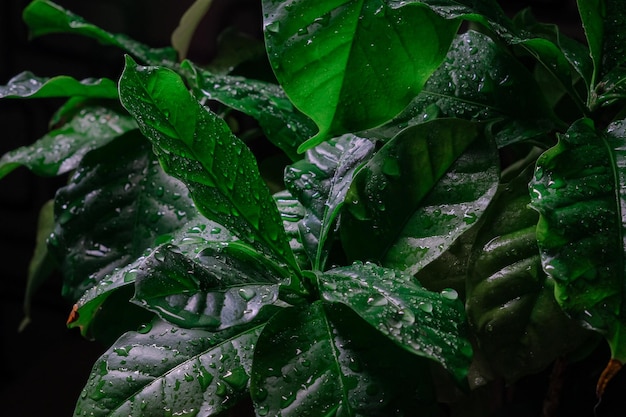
<point>45,366</point>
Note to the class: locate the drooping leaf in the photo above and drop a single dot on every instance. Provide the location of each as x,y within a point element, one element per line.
<point>578,191</point>
<point>190,238</point>
<point>183,34</point>
<point>162,369</point>
<point>28,85</point>
<point>480,80</point>
<point>425,323</point>
<point>320,182</point>
<point>115,205</point>
<point>62,149</point>
<point>350,66</point>
<point>281,122</point>
<point>519,327</point>
<point>391,186</point>
<point>454,205</point>
<point>220,287</point>
<point>312,361</point>
<point>44,17</point>
<point>197,147</point>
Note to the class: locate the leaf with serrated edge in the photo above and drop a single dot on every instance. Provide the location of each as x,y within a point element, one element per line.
<point>197,147</point>
<point>146,372</point>
<point>426,323</point>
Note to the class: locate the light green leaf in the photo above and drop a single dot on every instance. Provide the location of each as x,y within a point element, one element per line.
<point>183,34</point>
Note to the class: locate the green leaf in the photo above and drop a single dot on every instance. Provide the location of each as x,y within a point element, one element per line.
<point>320,182</point>
<point>510,300</point>
<point>425,323</point>
<point>453,206</point>
<point>183,34</point>
<point>578,191</point>
<point>320,360</point>
<point>611,89</point>
<point>281,122</point>
<point>391,186</point>
<point>28,85</point>
<point>292,213</point>
<point>44,17</point>
<point>350,66</point>
<point>220,287</point>
<point>61,150</point>
<point>116,203</point>
<point>197,147</point>
<point>162,369</point>
<point>488,13</point>
<point>189,238</point>
<point>480,80</point>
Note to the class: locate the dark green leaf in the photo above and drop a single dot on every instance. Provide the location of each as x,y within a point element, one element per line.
<point>283,125</point>
<point>611,89</point>
<point>196,146</point>
<point>578,191</point>
<point>592,13</point>
<point>44,17</point>
<point>320,182</point>
<point>353,65</point>
<point>319,360</point>
<point>165,370</point>
<point>115,205</point>
<point>292,213</point>
<point>510,300</point>
<point>426,323</point>
<point>62,149</point>
<point>28,85</point>
<point>486,12</point>
<point>480,80</point>
<point>222,286</point>
<point>453,206</point>
<point>391,186</point>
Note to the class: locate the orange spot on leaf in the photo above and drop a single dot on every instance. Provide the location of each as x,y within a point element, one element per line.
<point>612,368</point>
<point>73,315</point>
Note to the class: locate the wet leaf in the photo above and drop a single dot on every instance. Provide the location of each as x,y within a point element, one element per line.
<point>320,182</point>
<point>292,213</point>
<point>45,17</point>
<point>28,85</point>
<point>196,146</point>
<point>519,327</point>
<point>162,369</point>
<point>310,361</point>
<point>390,187</point>
<point>425,323</point>
<point>350,66</point>
<point>281,122</point>
<point>115,205</point>
<point>581,226</point>
<point>454,205</point>
<point>62,149</point>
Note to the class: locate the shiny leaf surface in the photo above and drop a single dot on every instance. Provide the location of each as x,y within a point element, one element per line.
<point>350,66</point>
<point>425,323</point>
<point>28,85</point>
<point>320,182</point>
<point>162,369</point>
<point>196,146</point>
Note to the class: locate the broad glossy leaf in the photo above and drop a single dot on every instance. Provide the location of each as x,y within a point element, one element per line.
<point>183,34</point>
<point>44,17</point>
<point>581,226</point>
<point>592,13</point>
<point>281,122</point>
<point>320,182</point>
<point>480,80</point>
<point>352,65</point>
<point>423,322</point>
<point>222,286</point>
<point>388,189</point>
<point>292,213</point>
<point>190,238</point>
<point>519,327</point>
<point>197,147</point>
<point>453,206</point>
<point>162,369</point>
<point>28,85</point>
<point>62,149</point>
<point>115,205</point>
<point>321,359</point>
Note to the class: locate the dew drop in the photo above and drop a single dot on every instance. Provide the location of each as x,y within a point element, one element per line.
<point>450,294</point>
<point>425,307</point>
<point>377,300</point>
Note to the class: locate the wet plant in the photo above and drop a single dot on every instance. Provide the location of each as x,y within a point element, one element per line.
<point>451,212</point>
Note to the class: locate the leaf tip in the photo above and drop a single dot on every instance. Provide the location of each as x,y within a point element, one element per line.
<point>611,369</point>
